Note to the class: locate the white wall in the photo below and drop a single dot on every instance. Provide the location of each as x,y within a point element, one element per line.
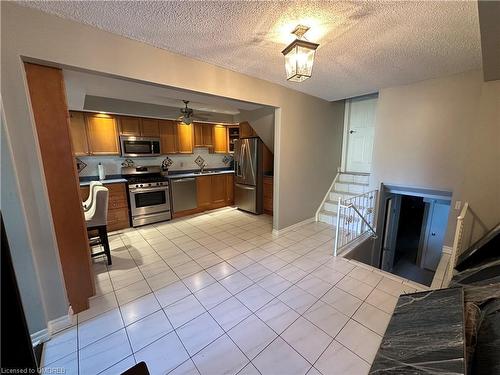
<point>20,247</point>
<point>307,135</point>
<point>442,134</point>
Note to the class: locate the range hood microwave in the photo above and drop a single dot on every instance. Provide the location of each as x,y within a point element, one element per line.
<point>133,147</point>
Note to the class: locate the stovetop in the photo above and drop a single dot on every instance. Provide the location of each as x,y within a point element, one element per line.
<point>145,179</point>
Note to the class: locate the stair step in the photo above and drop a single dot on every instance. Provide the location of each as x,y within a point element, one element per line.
<point>351,188</point>
<point>356,178</point>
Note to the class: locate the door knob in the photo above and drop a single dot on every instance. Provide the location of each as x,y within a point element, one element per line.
<point>352,131</point>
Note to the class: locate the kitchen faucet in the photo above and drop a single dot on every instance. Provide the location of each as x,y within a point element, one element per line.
<point>202,168</point>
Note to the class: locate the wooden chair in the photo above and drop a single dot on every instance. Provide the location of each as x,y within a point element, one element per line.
<point>96,218</point>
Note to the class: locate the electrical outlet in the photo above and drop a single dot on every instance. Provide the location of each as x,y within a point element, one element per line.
<point>458,204</point>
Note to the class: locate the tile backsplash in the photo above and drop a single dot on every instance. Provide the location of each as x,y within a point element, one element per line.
<point>112,164</point>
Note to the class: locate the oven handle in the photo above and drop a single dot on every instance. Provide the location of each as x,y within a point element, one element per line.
<point>149,190</point>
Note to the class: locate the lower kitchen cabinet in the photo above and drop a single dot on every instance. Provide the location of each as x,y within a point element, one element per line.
<point>204,192</point>
<point>268,195</point>
<point>229,189</point>
<point>213,191</point>
<point>118,215</point>
<point>218,190</point>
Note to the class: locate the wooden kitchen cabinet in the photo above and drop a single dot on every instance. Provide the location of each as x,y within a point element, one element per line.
<point>150,127</point>
<point>229,189</point>
<point>78,134</point>
<point>102,131</point>
<point>185,138</point>
<point>168,136</point>
<point>139,127</point>
<point>268,194</point>
<point>220,139</point>
<point>118,215</point>
<point>204,192</point>
<point>246,131</point>
<point>218,191</point>
<point>203,135</point>
<point>130,126</point>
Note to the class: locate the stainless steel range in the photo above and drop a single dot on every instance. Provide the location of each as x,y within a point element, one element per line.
<point>149,194</point>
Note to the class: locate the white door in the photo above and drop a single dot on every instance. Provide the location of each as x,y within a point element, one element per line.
<point>390,234</point>
<point>360,129</point>
<point>438,221</point>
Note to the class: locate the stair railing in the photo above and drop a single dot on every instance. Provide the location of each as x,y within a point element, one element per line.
<point>355,217</point>
<point>327,195</point>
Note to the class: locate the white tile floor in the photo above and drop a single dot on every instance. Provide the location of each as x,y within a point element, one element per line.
<point>219,294</point>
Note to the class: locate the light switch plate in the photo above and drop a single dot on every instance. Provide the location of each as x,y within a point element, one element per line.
<point>458,204</point>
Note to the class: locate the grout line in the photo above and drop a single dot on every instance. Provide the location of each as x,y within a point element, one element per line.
<point>254,282</point>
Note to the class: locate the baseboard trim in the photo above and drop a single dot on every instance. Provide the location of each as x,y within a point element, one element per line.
<point>63,322</point>
<point>447,249</point>
<point>293,226</point>
<point>40,336</point>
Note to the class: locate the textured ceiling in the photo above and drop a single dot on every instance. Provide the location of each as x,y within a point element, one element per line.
<point>364,46</point>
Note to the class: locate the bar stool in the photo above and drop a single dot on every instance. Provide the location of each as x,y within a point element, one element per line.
<point>88,202</point>
<point>96,219</point>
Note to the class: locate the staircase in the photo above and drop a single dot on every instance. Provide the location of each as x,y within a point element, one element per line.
<point>346,185</point>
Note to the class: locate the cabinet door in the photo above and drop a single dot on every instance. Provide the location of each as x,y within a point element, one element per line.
<point>185,139</point>
<point>198,135</point>
<point>204,191</point>
<point>246,130</point>
<point>220,139</point>
<point>168,136</point>
<point>268,195</point>
<point>78,133</point>
<point>103,134</point>
<point>229,189</point>
<point>130,126</point>
<point>218,190</point>
<point>149,127</point>
<point>207,135</point>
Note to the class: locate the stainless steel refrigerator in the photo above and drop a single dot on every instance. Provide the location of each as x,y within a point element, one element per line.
<point>248,175</point>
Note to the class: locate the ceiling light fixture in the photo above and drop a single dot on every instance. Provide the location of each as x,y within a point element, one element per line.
<point>299,56</point>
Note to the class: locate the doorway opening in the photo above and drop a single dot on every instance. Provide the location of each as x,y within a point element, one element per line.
<point>414,226</point>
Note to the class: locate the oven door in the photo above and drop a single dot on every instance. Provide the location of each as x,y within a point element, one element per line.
<point>145,201</point>
<point>139,146</point>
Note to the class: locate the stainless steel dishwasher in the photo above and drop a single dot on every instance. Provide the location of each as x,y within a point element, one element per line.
<point>183,194</point>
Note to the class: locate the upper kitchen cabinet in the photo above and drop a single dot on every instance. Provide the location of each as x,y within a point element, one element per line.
<point>139,127</point>
<point>102,131</point>
<point>246,131</point>
<point>203,135</point>
<point>185,138</point>
<point>130,126</point>
<point>168,136</point>
<point>78,134</point>
<point>150,127</point>
<point>220,139</point>
<point>233,134</point>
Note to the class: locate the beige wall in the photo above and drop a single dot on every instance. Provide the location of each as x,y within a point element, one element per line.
<point>307,133</point>
<point>442,134</point>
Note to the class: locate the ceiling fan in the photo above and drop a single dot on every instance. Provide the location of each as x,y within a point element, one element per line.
<point>186,114</point>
